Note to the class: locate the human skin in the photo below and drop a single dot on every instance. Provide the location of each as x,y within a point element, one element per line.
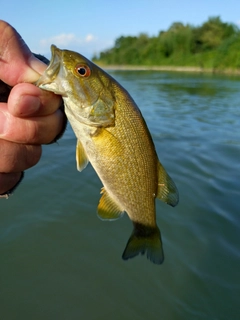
<point>29,116</point>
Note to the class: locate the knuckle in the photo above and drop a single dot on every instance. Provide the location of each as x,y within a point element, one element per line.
<point>16,157</point>
<point>31,134</point>
<point>32,155</point>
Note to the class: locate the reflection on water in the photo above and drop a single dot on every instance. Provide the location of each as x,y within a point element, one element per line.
<point>59,261</point>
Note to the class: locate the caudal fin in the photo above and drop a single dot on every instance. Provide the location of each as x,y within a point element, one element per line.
<point>145,239</point>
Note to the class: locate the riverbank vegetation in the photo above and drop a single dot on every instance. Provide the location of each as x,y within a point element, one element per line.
<point>214,45</point>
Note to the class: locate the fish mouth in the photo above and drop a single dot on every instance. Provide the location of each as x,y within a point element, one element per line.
<point>54,65</point>
<point>48,80</point>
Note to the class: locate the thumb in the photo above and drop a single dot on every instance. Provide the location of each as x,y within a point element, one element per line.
<point>17,63</point>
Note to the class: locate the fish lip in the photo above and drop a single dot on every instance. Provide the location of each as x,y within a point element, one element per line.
<point>55,62</point>
<point>47,79</point>
<point>53,68</point>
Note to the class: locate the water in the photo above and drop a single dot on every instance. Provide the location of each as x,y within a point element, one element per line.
<point>59,261</point>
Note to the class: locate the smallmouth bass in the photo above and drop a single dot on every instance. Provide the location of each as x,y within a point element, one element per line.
<point>113,136</point>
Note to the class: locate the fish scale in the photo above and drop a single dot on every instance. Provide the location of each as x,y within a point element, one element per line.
<point>113,136</point>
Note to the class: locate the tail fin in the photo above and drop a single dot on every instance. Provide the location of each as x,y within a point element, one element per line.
<point>145,239</point>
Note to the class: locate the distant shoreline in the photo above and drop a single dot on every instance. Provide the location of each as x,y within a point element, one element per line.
<point>170,68</point>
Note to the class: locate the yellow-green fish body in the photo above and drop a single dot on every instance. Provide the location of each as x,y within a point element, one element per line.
<point>113,136</point>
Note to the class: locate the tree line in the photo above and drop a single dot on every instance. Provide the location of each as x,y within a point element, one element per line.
<point>214,44</point>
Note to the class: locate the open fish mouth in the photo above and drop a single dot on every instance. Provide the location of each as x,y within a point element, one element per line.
<point>49,80</point>
<point>55,62</point>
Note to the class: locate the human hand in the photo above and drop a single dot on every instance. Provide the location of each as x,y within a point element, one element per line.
<point>29,116</point>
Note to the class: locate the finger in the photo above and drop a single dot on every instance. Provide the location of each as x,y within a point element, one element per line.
<point>18,157</point>
<point>4,91</point>
<point>8,181</point>
<point>17,63</point>
<point>35,130</point>
<point>27,100</point>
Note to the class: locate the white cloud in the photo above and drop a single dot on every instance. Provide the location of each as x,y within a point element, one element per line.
<point>63,39</point>
<point>86,45</point>
<point>66,39</point>
<point>89,38</point>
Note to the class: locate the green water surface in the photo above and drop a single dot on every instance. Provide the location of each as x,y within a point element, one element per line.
<point>59,261</point>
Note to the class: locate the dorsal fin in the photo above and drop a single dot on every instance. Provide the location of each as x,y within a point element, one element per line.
<point>167,190</point>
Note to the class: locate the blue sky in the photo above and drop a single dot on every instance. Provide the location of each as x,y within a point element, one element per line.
<point>90,26</point>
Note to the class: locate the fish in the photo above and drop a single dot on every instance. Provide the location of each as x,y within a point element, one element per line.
<point>113,136</point>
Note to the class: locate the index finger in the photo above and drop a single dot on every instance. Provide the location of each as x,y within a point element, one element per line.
<point>27,100</point>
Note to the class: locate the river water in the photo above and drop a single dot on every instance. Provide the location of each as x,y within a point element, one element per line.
<point>59,261</point>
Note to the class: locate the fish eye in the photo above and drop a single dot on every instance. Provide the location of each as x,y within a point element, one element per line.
<point>83,70</point>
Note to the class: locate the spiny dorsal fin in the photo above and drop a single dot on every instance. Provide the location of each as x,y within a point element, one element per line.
<point>81,157</point>
<point>167,190</point>
<point>107,208</point>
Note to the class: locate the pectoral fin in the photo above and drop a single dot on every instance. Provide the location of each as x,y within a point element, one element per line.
<point>167,190</point>
<point>107,208</point>
<point>107,144</point>
<point>81,157</point>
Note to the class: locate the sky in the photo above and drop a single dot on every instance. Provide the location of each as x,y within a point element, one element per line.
<point>91,26</point>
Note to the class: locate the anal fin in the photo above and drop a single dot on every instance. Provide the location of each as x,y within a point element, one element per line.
<point>107,208</point>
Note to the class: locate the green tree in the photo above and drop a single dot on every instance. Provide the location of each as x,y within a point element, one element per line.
<point>214,44</point>
<point>212,33</point>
